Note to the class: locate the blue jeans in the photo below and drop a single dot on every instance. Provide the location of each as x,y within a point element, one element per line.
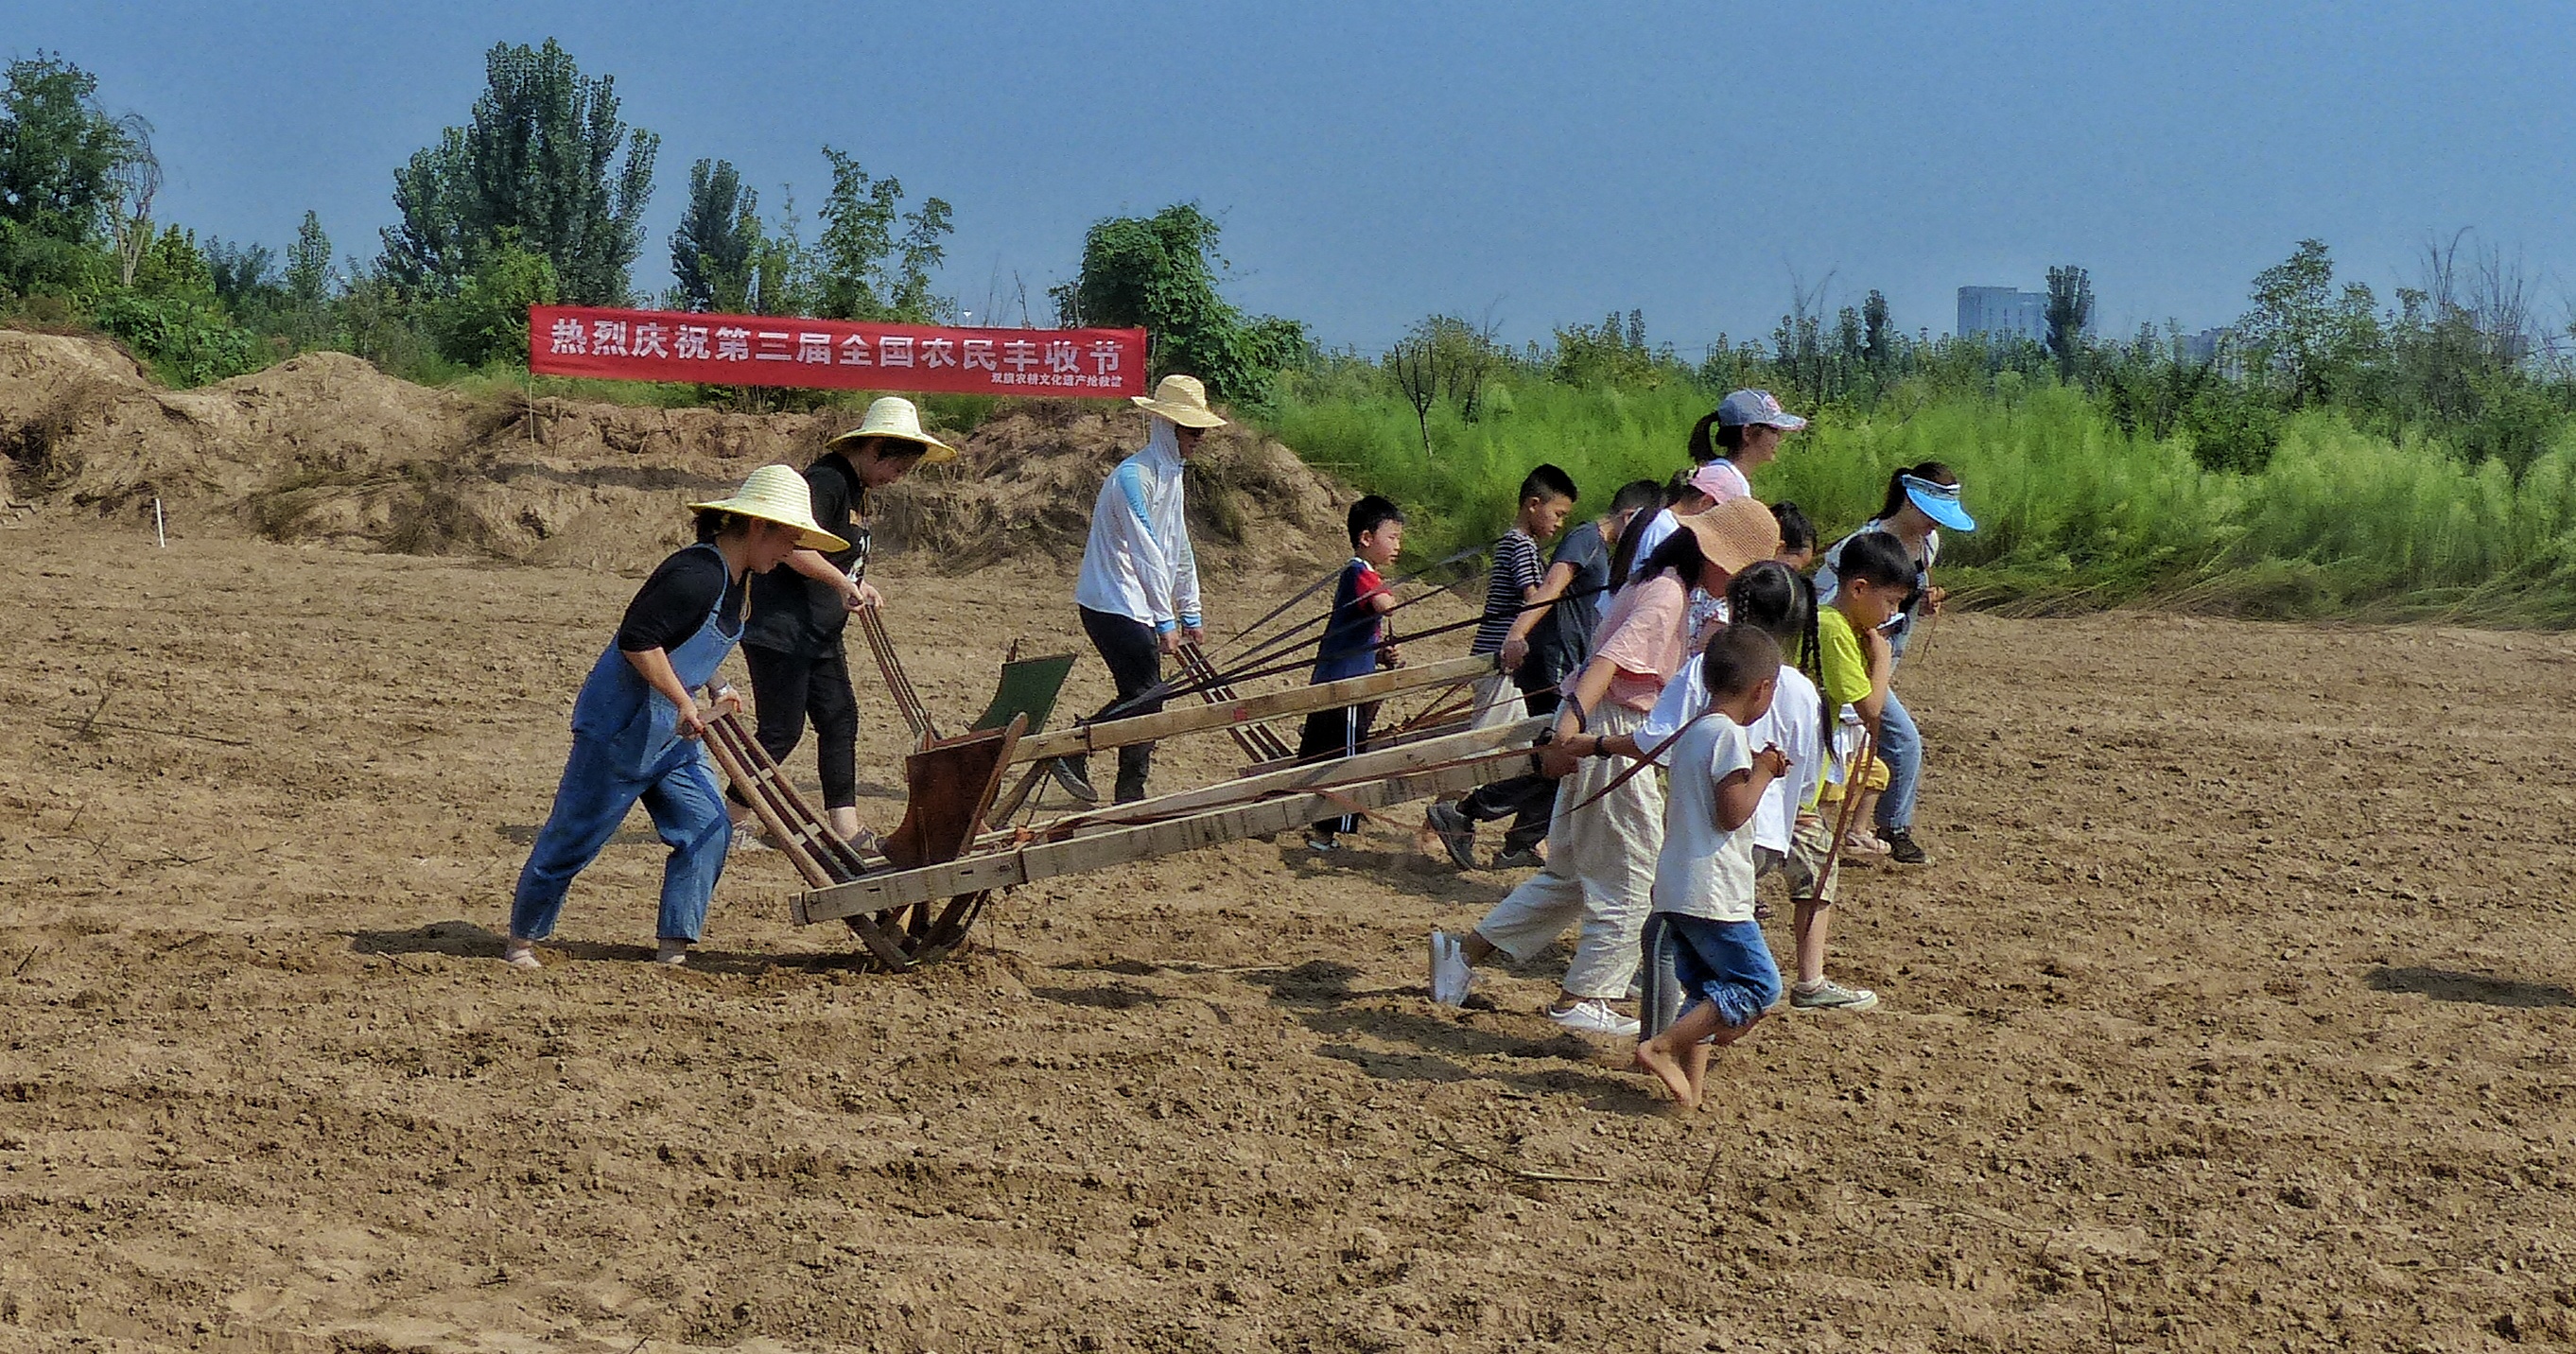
<point>1900,745</point>
<point>1725,962</point>
<point>688,811</point>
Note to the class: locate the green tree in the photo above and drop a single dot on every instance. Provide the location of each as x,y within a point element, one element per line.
<point>862,268</point>
<point>539,159</point>
<point>173,265</point>
<point>1877,341</point>
<point>487,319</point>
<point>240,272</point>
<point>1160,272</point>
<point>711,252</point>
<point>2302,335</point>
<point>919,251</point>
<point>60,154</point>
<point>310,285</point>
<point>308,264</point>
<point>2070,313</point>
<point>782,268</point>
<point>58,150</point>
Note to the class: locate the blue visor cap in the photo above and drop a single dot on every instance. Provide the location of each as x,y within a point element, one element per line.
<point>1940,502</point>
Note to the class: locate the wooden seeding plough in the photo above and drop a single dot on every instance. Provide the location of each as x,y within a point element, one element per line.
<point>916,899</point>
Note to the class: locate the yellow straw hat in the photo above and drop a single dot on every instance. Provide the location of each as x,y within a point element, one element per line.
<point>894,416</point>
<point>1182,400</point>
<point>776,493</point>
<point>1735,535</point>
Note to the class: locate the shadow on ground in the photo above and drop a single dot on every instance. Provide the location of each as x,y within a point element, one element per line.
<point>2443,984</point>
<point>465,940</point>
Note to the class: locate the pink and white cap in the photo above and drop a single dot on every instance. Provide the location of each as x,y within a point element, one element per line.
<point>1756,406</point>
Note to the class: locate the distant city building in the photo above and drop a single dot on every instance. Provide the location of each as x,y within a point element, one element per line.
<point>2003,313</point>
<point>2201,347</point>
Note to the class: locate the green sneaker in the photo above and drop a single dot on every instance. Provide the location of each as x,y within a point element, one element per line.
<point>1831,996</point>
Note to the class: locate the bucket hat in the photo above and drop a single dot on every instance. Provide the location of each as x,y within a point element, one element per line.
<point>1735,535</point>
<point>1756,406</point>
<point>1939,501</point>
<point>894,416</point>
<point>1182,400</point>
<point>776,493</point>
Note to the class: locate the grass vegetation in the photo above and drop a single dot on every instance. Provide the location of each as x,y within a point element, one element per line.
<point>2074,512</point>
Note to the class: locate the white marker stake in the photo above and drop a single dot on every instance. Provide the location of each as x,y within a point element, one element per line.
<point>157,533</point>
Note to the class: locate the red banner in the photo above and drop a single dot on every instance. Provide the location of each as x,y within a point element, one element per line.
<point>780,350</point>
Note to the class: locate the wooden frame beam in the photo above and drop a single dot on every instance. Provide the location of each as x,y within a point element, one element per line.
<point>1298,700</point>
<point>1253,807</point>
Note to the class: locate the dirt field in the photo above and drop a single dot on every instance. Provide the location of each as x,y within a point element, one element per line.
<point>2234,1013</point>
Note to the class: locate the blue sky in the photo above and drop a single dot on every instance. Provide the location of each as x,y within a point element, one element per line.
<point>1375,162</point>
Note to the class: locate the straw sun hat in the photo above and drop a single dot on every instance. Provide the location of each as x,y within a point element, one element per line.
<point>776,493</point>
<point>1182,400</point>
<point>893,416</point>
<point>1735,535</point>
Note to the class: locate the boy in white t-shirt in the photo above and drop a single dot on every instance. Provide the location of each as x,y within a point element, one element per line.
<point>1788,837</point>
<point>1704,874</point>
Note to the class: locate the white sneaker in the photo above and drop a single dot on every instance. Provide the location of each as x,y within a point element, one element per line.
<point>521,954</point>
<point>1594,1016</point>
<point>1451,975</point>
<point>671,952</point>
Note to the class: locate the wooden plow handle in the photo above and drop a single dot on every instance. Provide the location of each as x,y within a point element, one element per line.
<point>907,701</point>
<point>807,841</point>
<point>1258,741</point>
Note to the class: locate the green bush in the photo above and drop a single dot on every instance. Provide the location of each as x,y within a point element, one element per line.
<point>487,320</point>
<point>188,341</point>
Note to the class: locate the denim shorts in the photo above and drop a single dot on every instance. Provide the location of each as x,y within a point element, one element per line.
<point>1724,962</point>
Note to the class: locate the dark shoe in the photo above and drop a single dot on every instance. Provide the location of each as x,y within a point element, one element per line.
<point>1901,847</point>
<point>1075,778</point>
<point>1526,858</point>
<point>1456,834</point>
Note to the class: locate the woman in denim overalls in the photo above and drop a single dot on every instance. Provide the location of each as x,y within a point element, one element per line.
<point>635,726</point>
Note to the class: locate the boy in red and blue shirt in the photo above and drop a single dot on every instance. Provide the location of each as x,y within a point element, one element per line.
<point>1354,645</point>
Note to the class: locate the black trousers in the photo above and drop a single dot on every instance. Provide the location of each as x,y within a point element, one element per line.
<point>1135,661</point>
<point>1529,801</point>
<point>1336,733</point>
<point>789,689</point>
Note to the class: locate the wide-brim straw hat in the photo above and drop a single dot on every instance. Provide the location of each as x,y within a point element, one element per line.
<point>1182,400</point>
<point>1735,535</point>
<point>776,493</point>
<point>894,416</point>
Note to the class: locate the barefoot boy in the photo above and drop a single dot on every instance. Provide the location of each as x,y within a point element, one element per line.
<point>1704,874</point>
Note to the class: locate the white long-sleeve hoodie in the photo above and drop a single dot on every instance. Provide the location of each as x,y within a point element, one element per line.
<point>1138,562</point>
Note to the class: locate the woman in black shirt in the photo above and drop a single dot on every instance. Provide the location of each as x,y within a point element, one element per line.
<point>799,670</point>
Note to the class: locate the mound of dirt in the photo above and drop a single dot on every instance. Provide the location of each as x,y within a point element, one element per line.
<point>324,447</point>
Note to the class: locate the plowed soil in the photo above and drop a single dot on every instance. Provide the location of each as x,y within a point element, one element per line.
<point>2235,1012</point>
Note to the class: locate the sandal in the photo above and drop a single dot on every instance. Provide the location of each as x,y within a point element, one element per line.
<point>1855,844</point>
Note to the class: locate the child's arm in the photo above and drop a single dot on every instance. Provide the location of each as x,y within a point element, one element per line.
<point>1535,604</point>
<point>1874,650</point>
<point>1741,792</point>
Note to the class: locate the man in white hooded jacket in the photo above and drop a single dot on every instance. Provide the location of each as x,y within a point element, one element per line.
<point>1139,589</point>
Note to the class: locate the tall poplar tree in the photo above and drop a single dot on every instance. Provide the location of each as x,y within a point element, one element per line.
<point>540,159</point>
<point>712,251</point>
